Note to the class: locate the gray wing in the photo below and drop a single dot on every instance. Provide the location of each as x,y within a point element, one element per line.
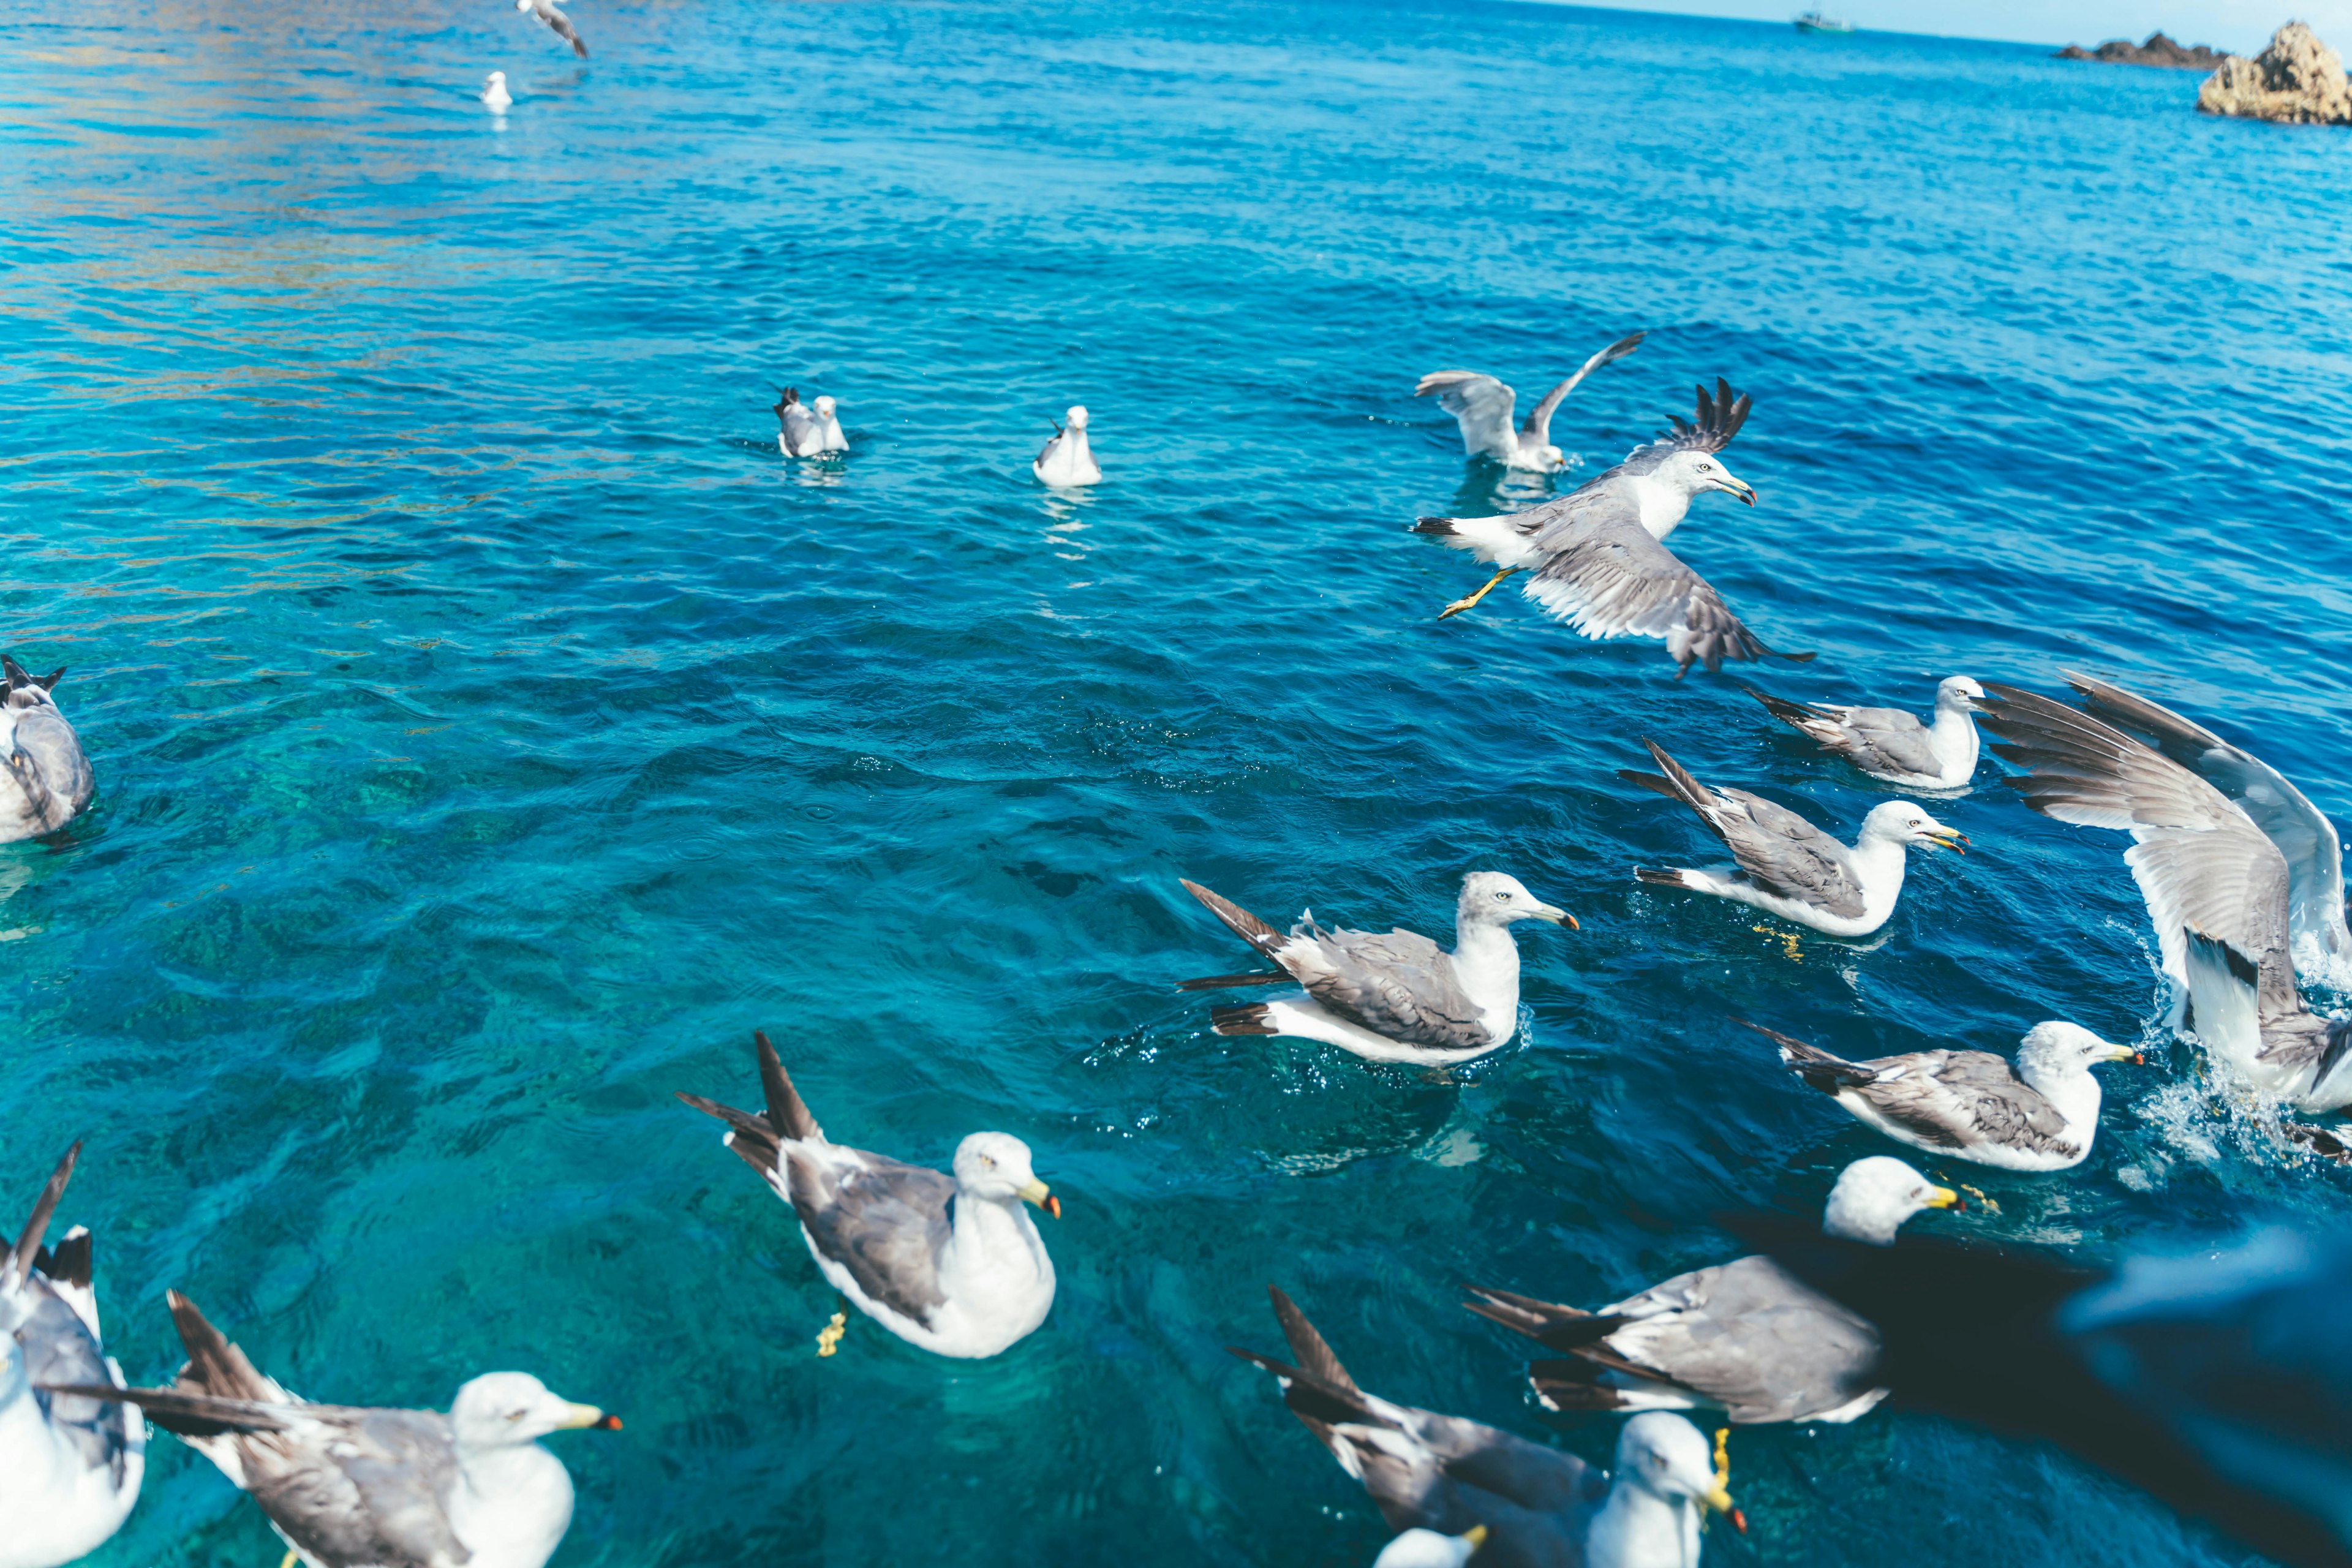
<point>1960,1100</point>
<point>1881,741</point>
<point>48,762</point>
<point>561,25</point>
<point>1746,1336</point>
<point>1538,427</point>
<point>801,431</point>
<point>1608,578</point>
<point>884,1222</point>
<point>58,1348</point>
<point>1400,985</point>
<point>2308,840</point>
<point>1781,851</point>
<point>1480,404</point>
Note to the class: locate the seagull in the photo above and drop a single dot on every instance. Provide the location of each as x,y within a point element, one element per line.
<point>1398,997</point>
<point>495,94</point>
<point>2218,890</point>
<point>2042,1115</point>
<point>2214,1378</point>
<point>1483,406</point>
<point>1888,743</point>
<point>557,23</point>
<point>72,1463</point>
<point>1595,553</point>
<point>1788,867</point>
<point>44,778</point>
<point>949,1264</point>
<point>2321,946</point>
<point>1067,460</point>
<point>806,431</point>
<point>364,1486</point>
<point>1746,1337</point>
<point>1540,1506</point>
<point>1427,1549</point>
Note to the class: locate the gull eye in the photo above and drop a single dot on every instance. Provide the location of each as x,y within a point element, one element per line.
<point>1705,469</point>
<point>514,1414</point>
<point>1502,897</point>
<point>989,1161</point>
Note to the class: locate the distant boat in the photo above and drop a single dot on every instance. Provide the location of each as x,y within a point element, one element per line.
<point>1817,22</point>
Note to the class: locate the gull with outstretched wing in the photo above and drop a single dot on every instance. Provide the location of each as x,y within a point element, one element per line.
<point>1482,407</point>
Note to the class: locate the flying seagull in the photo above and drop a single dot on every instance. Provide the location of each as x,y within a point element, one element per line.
<point>1397,998</point>
<point>1888,743</point>
<point>1067,459</point>
<point>1746,1337</point>
<point>1483,406</point>
<point>949,1264</point>
<point>2041,1115</point>
<point>1540,1506</point>
<point>1595,553</point>
<point>557,23</point>
<point>806,431</point>
<point>2214,1378</point>
<point>1786,866</point>
<point>72,1462</point>
<point>44,777</point>
<point>363,1486</point>
<point>2218,890</point>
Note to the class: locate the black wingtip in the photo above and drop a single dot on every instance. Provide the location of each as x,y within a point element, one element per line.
<point>18,1265</point>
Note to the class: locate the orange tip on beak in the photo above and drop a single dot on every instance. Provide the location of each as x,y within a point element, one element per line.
<point>605,1424</point>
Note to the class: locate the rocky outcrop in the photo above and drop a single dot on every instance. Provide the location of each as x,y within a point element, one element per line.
<point>2159,50</point>
<point>2298,80</point>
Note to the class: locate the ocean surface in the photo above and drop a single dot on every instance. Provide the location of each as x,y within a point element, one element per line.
<point>492,730</point>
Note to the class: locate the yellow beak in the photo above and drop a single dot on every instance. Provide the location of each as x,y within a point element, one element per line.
<point>1951,839</point>
<point>1036,1193</point>
<point>1475,1535</point>
<point>588,1415</point>
<point>1943,1198</point>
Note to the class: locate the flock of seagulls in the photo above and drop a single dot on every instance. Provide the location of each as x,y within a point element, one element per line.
<point>2241,874</point>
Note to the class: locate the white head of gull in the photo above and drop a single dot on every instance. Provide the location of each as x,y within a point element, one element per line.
<point>45,779</point>
<point>361,1485</point>
<point>1427,1549</point>
<point>828,427</point>
<point>1067,459</point>
<point>1395,996</point>
<point>1746,1337</point>
<point>1540,1505</point>
<point>73,1462</point>
<point>952,1264</point>
<point>494,91</point>
<point>1482,407</point>
<point>2041,1115</point>
<point>1784,865</point>
<point>1888,743</point>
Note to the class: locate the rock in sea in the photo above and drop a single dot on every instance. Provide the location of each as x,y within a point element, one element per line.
<point>2159,50</point>
<point>2298,80</point>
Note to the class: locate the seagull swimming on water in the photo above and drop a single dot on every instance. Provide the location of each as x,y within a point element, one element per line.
<point>1747,1338</point>
<point>1541,1507</point>
<point>495,94</point>
<point>364,1486</point>
<point>1397,998</point>
<point>45,779</point>
<point>2040,1115</point>
<point>1483,406</point>
<point>70,1464</point>
<point>949,1264</point>
<point>804,430</point>
<point>2220,890</point>
<point>557,23</point>
<point>1784,865</point>
<point>1067,459</point>
<point>1888,743</point>
<point>1595,556</point>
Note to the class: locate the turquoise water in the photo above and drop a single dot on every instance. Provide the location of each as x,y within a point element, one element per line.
<point>491,730</point>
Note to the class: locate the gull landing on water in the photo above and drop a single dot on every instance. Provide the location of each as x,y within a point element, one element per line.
<point>1397,998</point>
<point>1482,407</point>
<point>557,23</point>
<point>495,94</point>
<point>1889,744</point>
<point>1786,866</point>
<point>1067,459</point>
<point>805,430</point>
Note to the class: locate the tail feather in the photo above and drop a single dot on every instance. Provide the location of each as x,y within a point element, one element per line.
<point>216,1368</point>
<point>1681,786</point>
<point>1781,708</point>
<point>1442,527</point>
<point>24,1257</point>
<point>1314,1356</point>
<point>1257,1019</point>
<point>69,1262</point>
<point>787,1112</point>
<point>1820,1069</point>
<point>1232,982</point>
<point>185,1414</point>
<point>1546,1322</point>
<point>1237,919</point>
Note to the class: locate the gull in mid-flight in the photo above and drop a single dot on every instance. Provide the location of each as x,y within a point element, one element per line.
<point>2041,1115</point>
<point>1784,865</point>
<point>1594,554</point>
<point>1394,996</point>
<point>1483,406</point>
<point>951,1264</point>
<point>1888,743</point>
<point>557,23</point>
<point>70,1463</point>
<point>495,94</point>
<point>1067,459</point>
<point>1746,1337</point>
<point>1542,1506</point>
<point>2220,890</point>
<point>804,430</point>
<point>364,1486</point>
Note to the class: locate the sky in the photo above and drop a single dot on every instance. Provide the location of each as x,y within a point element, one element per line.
<point>2241,26</point>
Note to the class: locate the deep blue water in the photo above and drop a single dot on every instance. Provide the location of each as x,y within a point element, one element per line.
<point>491,730</point>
